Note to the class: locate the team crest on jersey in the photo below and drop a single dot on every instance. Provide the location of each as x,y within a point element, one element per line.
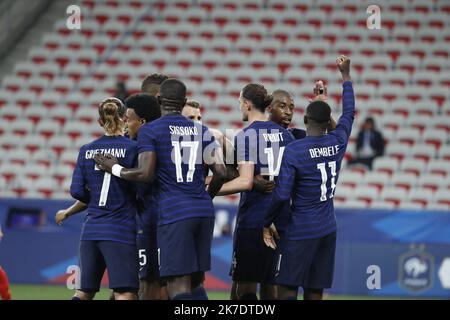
<point>416,270</point>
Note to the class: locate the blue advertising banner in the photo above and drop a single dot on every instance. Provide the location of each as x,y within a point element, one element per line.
<point>379,252</point>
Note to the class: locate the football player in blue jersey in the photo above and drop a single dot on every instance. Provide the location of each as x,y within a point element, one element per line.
<point>258,151</point>
<point>108,236</point>
<point>308,176</point>
<point>142,111</point>
<point>174,149</point>
<point>281,111</point>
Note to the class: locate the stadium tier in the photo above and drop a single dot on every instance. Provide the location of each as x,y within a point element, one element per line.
<point>401,73</point>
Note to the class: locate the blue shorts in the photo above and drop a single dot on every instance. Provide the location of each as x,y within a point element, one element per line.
<point>306,263</point>
<point>185,246</point>
<point>148,255</point>
<point>120,259</point>
<point>252,260</point>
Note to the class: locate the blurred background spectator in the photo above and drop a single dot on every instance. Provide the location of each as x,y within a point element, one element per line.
<point>369,144</point>
<point>121,91</point>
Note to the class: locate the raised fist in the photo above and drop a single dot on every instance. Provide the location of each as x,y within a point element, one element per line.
<point>343,64</point>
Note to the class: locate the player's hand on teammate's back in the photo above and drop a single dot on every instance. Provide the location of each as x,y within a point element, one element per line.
<point>261,184</point>
<point>60,217</point>
<point>343,64</point>
<point>105,161</point>
<point>269,235</point>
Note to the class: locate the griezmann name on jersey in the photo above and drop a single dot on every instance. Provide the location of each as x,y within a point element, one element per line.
<point>309,174</point>
<point>111,212</point>
<point>262,143</point>
<point>179,144</point>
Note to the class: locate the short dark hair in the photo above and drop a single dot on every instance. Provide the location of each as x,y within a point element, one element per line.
<point>193,103</point>
<point>145,106</point>
<point>257,95</point>
<point>173,93</point>
<point>318,111</point>
<point>152,83</point>
<point>370,119</point>
<point>280,92</point>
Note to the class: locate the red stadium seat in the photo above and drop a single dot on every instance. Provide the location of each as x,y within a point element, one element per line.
<point>441,197</point>
<point>409,136</point>
<point>421,196</point>
<point>34,171</point>
<point>444,152</point>
<point>10,113</point>
<point>61,173</point>
<point>393,195</point>
<point>368,194</point>
<point>305,34</point>
<point>423,151</point>
<point>60,115</point>
<point>48,128</point>
<point>73,130</point>
<point>44,157</point>
<point>376,179</point>
<point>34,143</point>
<point>403,180</point>
<point>69,157</point>
<point>17,156</point>
<point>398,150</point>
<point>21,127</point>
<point>432,182</point>
<point>59,143</point>
<point>383,205</point>
<point>35,113</point>
<point>439,167</point>
<point>413,166</point>
<point>435,137</point>
<point>388,165</point>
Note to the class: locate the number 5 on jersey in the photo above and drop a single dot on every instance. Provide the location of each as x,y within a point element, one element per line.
<point>323,171</point>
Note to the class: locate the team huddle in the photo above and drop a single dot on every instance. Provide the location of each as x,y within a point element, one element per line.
<point>148,184</point>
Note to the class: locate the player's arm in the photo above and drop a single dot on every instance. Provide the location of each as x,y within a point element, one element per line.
<point>244,182</point>
<point>142,173</point>
<point>261,184</point>
<point>320,93</point>
<point>344,125</point>
<point>63,214</point>
<point>281,194</point>
<point>228,152</point>
<point>78,189</point>
<point>218,168</point>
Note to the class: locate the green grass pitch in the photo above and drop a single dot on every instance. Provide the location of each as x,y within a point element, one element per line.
<point>53,292</point>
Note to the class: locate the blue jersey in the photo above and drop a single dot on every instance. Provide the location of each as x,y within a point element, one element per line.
<point>147,206</point>
<point>282,218</point>
<point>309,174</point>
<point>111,212</point>
<point>263,143</point>
<point>179,144</point>
<point>297,133</point>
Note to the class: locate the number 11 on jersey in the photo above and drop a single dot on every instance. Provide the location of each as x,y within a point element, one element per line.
<point>323,171</point>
